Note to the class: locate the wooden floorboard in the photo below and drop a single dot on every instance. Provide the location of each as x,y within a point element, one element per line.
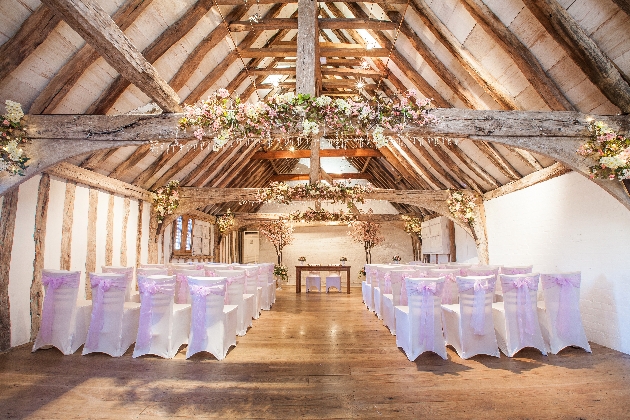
<point>315,356</point>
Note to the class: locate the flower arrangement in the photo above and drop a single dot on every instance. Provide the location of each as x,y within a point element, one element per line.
<point>612,151</point>
<point>281,271</point>
<point>225,222</point>
<point>413,226</point>
<point>368,233</point>
<point>166,200</point>
<point>462,206</point>
<point>279,192</point>
<point>322,215</point>
<point>344,259</point>
<point>223,117</point>
<point>279,233</point>
<point>302,259</point>
<point>12,157</point>
<point>396,258</point>
<point>362,273</point>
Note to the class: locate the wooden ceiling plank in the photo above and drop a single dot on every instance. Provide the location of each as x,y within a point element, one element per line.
<point>324,23</point>
<point>526,157</point>
<point>177,167</point>
<point>465,58</point>
<point>140,153</point>
<point>324,153</point>
<point>225,154</point>
<point>232,171</point>
<point>471,164</point>
<point>59,86</point>
<point>522,56</point>
<point>600,69</point>
<point>462,177</point>
<point>424,150</point>
<point>623,5</point>
<point>94,25</point>
<point>401,165</point>
<point>98,158</point>
<point>498,160</point>
<point>285,52</point>
<point>236,2</point>
<point>201,167</point>
<point>410,150</point>
<point>32,33</point>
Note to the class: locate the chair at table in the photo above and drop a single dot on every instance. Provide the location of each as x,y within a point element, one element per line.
<point>235,295</point>
<point>65,318</point>
<point>469,326</point>
<point>559,313</point>
<point>210,330</point>
<point>333,279</point>
<point>419,325</point>
<point>313,279</point>
<point>516,318</point>
<point>450,284</point>
<point>164,325</point>
<point>182,295</point>
<point>114,322</point>
<point>391,299</point>
<point>130,294</point>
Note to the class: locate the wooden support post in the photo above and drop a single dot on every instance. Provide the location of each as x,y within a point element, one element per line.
<point>123,238</point>
<point>307,38</point>
<point>139,234</point>
<point>452,252</point>
<point>153,237</point>
<point>39,235</point>
<point>90,258</point>
<point>7,229</point>
<point>109,239</point>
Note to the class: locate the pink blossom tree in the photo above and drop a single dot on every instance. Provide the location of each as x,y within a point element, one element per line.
<point>368,233</point>
<point>279,233</point>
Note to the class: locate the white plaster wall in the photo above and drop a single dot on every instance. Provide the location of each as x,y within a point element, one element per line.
<point>78,251</point>
<point>119,212</point>
<point>132,233</point>
<point>144,245</point>
<point>21,268</point>
<point>54,222</point>
<point>565,224</point>
<point>102,208</point>
<point>326,244</point>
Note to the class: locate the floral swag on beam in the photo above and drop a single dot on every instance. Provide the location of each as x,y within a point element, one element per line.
<point>12,157</point>
<point>338,192</point>
<point>224,118</point>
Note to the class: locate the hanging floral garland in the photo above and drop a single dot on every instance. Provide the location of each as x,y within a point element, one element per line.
<point>224,118</point>
<point>225,222</point>
<point>462,206</point>
<point>279,192</point>
<point>413,226</point>
<point>312,215</point>
<point>12,157</point>
<point>611,150</point>
<point>166,200</point>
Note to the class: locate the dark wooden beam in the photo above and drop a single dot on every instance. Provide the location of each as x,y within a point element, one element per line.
<point>305,177</point>
<point>90,21</point>
<point>324,23</point>
<point>623,5</point>
<point>324,52</point>
<point>323,153</point>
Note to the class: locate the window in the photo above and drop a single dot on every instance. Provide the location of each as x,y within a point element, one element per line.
<point>182,236</point>
<point>189,236</point>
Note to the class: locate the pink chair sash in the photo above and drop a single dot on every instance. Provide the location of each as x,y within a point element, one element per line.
<point>515,270</point>
<point>199,294</point>
<point>447,295</point>
<point>427,324</point>
<point>565,282</point>
<point>101,285</point>
<point>479,289</point>
<point>147,289</point>
<point>387,286</point>
<point>524,309</point>
<point>404,300</point>
<point>210,273</point>
<point>48,311</point>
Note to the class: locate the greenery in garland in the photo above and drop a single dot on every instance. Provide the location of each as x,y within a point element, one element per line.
<point>12,157</point>
<point>413,226</point>
<point>281,271</point>
<point>462,206</point>
<point>166,200</point>
<point>224,118</point>
<point>279,192</point>
<point>225,222</point>
<point>611,150</point>
<point>322,215</point>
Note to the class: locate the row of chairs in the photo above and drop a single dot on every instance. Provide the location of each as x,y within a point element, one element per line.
<point>215,301</point>
<point>472,318</point>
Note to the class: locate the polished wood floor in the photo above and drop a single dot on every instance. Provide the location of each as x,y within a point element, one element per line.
<point>315,356</point>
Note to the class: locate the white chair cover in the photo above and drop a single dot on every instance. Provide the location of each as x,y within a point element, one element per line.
<point>182,295</point>
<point>114,322</point>
<point>153,266</point>
<point>419,325</point>
<point>381,285</point>
<point>450,295</point>
<point>251,287</point>
<point>367,286</point>
<point>419,271</point>
<point>65,319</point>
<point>271,281</point>
<point>478,271</point>
<point>516,269</point>
<point>236,296</point>
<point>127,271</point>
<point>559,314</point>
<point>151,271</point>
<point>164,325</point>
<point>459,266</point>
<point>211,268</point>
<point>468,326</point>
<point>313,279</point>
<point>333,279</point>
<point>516,318</point>
<point>209,330</point>
<point>266,282</point>
<point>392,298</point>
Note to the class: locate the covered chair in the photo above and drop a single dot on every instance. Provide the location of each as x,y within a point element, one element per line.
<point>477,270</point>
<point>516,269</point>
<point>154,266</point>
<point>130,294</point>
<point>367,287</point>
<point>151,271</point>
<point>450,295</point>
<point>333,279</point>
<point>210,329</point>
<point>381,285</point>
<point>182,295</point>
<point>468,326</point>
<point>269,267</point>
<point>313,279</point>
<point>65,317</point>
<point>164,325</point>
<point>235,295</point>
<point>252,288</point>
<point>516,318</point>
<point>114,322</point>
<point>559,313</point>
<point>419,325</point>
<point>392,298</point>
<point>268,285</point>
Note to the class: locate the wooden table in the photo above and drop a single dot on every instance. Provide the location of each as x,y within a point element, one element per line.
<point>300,268</point>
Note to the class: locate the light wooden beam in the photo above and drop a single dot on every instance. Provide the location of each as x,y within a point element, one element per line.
<point>307,37</point>
<point>90,21</point>
<point>324,52</point>
<point>325,71</point>
<point>305,177</point>
<point>324,153</point>
<point>534,178</point>
<point>583,50</point>
<point>324,23</point>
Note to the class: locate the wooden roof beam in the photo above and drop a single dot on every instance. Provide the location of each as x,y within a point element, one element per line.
<point>324,23</point>
<point>583,50</point>
<point>90,21</point>
<point>408,149</point>
<point>305,177</point>
<point>534,178</point>
<point>140,153</point>
<point>498,160</point>
<point>285,52</point>
<point>323,153</point>
<point>471,164</point>
<point>462,177</point>
<point>237,2</point>
<point>326,72</point>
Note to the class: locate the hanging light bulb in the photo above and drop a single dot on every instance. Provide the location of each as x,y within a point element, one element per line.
<point>275,84</point>
<point>365,64</point>
<point>360,84</point>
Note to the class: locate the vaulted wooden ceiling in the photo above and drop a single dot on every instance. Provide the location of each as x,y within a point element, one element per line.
<point>492,54</point>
